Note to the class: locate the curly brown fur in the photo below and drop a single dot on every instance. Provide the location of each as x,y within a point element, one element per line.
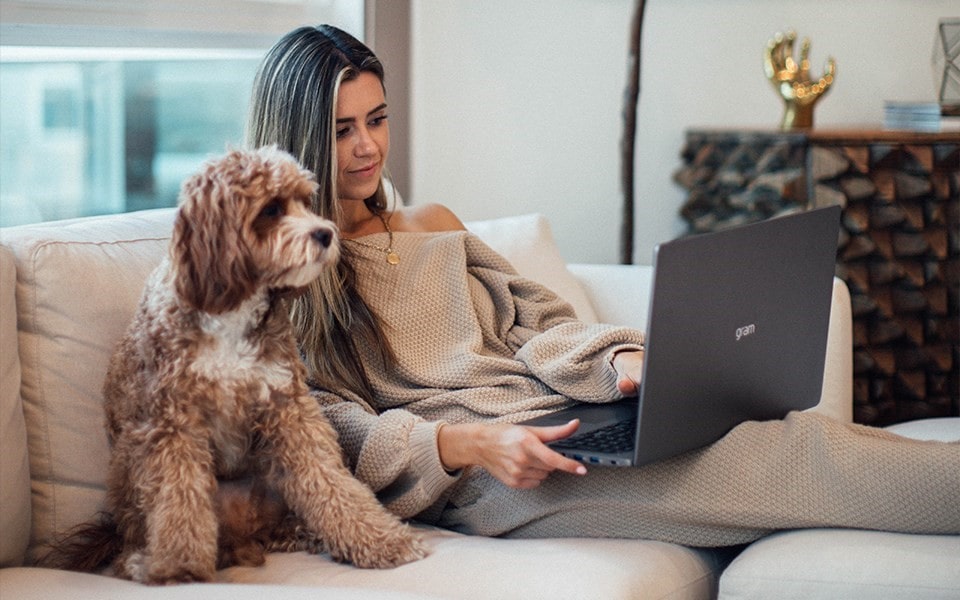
<point>207,385</point>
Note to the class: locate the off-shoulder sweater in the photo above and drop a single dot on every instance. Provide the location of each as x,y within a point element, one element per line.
<point>473,341</point>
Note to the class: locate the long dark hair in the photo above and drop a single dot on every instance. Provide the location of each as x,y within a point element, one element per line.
<point>293,105</point>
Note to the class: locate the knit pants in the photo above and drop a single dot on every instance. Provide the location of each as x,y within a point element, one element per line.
<point>804,471</point>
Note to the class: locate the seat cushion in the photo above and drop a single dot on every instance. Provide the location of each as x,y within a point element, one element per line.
<point>460,567</point>
<point>47,584</point>
<point>474,567</point>
<point>852,564</point>
<point>842,563</point>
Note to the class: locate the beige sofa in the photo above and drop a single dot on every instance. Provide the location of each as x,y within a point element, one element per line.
<point>68,289</point>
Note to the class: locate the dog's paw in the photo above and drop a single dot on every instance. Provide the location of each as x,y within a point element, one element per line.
<point>399,547</point>
<point>172,572</point>
<point>131,565</point>
<point>178,576</point>
<point>137,566</point>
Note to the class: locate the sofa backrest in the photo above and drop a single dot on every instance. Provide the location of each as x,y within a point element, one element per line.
<point>77,285</point>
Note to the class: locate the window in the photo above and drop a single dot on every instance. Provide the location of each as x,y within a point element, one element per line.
<point>114,119</point>
<point>82,134</point>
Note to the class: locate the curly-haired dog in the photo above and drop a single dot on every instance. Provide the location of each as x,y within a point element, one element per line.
<point>208,383</point>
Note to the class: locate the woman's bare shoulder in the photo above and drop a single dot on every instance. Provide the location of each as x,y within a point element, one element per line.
<point>427,217</point>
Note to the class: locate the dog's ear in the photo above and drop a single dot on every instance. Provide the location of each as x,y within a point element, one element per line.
<point>213,269</point>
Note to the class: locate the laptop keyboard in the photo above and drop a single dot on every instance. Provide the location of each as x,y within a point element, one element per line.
<point>616,437</point>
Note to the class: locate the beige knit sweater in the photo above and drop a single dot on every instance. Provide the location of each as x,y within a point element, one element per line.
<point>475,341</point>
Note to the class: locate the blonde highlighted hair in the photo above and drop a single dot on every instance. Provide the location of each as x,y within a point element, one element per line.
<point>293,105</point>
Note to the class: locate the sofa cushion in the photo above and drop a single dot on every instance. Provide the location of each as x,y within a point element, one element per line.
<point>14,466</point>
<point>78,283</point>
<point>527,242</point>
<point>845,563</point>
<point>47,584</point>
<point>852,564</point>
<point>462,567</point>
<point>619,294</point>
<point>474,567</point>
<point>943,429</point>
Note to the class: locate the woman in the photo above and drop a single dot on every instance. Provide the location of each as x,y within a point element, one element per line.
<point>426,347</point>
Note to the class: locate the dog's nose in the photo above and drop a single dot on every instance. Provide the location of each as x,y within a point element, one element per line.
<point>324,236</point>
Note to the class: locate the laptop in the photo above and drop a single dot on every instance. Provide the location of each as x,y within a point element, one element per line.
<point>737,331</point>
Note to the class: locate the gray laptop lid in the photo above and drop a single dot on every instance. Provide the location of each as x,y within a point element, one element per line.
<point>737,329</point>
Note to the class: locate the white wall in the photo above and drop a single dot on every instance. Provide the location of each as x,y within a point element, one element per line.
<point>516,105</point>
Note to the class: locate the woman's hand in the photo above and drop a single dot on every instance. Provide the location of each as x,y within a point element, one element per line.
<point>517,455</point>
<point>629,367</point>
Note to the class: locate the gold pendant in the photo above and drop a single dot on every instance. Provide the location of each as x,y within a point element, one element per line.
<point>393,258</point>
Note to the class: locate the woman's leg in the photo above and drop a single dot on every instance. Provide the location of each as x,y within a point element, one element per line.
<point>805,471</point>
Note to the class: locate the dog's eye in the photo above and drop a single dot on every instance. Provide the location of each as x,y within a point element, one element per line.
<point>272,210</point>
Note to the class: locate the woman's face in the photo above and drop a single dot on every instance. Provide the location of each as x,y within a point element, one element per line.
<point>363,136</point>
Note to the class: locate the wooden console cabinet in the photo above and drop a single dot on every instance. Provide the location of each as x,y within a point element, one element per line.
<point>899,247</point>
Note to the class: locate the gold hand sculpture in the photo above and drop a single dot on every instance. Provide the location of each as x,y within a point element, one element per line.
<point>792,80</point>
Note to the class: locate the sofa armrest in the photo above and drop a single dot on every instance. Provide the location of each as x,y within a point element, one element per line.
<point>620,294</point>
<point>836,398</point>
<point>15,512</point>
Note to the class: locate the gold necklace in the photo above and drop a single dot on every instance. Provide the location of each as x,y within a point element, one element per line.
<point>392,257</point>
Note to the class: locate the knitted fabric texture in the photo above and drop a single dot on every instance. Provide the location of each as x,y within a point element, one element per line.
<point>475,341</point>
